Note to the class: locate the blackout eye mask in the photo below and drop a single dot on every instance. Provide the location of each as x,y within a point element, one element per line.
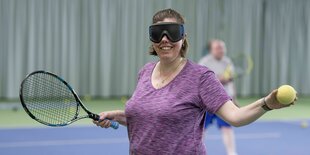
<point>173,31</point>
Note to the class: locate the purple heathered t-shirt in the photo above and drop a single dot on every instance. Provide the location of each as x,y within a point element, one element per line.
<point>169,120</point>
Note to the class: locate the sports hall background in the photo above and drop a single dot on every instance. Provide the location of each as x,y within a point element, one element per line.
<point>99,45</point>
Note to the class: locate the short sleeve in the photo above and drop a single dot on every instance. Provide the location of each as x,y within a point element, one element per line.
<point>142,70</point>
<point>139,79</point>
<point>212,92</point>
<point>140,74</point>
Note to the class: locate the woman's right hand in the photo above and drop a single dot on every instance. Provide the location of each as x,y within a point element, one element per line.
<point>106,116</point>
<point>273,103</point>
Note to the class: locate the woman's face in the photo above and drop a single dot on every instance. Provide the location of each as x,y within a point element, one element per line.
<point>165,49</point>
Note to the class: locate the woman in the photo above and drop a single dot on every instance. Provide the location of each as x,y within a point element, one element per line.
<point>165,115</point>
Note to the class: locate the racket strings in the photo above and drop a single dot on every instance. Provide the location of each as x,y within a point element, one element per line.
<point>242,64</point>
<point>49,99</point>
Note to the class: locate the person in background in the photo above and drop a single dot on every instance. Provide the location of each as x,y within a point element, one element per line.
<point>222,66</point>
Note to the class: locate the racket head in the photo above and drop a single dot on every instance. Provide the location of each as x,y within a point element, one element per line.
<point>242,64</point>
<point>49,99</point>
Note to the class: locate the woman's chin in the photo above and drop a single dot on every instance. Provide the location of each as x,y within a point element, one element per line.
<point>166,55</point>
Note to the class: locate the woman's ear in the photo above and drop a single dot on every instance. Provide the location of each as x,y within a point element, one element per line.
<point>185,35</point>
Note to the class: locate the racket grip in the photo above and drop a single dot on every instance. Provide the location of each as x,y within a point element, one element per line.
<point>113,125</point>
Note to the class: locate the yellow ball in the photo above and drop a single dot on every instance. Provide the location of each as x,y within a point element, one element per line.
<point>286,94</point>
<point>304,124</point>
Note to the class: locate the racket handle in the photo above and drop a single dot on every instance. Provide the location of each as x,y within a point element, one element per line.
<point>113,125</point>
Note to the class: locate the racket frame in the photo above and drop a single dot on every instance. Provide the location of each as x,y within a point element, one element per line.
<point>91,115</point>
<point>245,71</point>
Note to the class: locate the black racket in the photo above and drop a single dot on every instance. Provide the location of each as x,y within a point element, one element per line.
<point>50,100</point>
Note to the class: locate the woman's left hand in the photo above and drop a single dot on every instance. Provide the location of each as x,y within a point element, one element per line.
<point>273,103</point>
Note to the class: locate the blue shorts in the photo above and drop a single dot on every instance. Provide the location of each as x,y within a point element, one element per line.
<point>219,121</point>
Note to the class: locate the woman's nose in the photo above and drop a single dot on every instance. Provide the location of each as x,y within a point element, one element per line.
<point>165,39</point>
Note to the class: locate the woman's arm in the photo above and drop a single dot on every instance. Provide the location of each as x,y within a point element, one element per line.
<point>116,115</point>
<point>248,114</point>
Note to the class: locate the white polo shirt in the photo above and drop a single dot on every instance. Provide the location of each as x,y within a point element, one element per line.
<point>219,67</point>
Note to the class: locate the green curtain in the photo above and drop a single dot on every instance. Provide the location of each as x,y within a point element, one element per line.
<point>99,45</point>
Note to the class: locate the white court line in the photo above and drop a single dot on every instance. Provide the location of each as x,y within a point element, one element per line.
<point>120,140</point>
<point>248,136</point>
<point>64,142</point>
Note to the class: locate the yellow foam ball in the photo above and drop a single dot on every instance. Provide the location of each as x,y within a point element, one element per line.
<point>286,94</point>
<point>304,124</point>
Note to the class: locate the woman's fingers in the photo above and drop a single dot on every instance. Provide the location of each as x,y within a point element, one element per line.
<point>105,117</point>
<point>273,103</point>
<point>95,122</point>
<point>104,123</point>
<point>296,98</point>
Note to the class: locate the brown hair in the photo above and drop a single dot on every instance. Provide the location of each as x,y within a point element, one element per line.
<point>170,13</point>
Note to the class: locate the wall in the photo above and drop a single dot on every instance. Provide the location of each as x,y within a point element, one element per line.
<point>99,45</point>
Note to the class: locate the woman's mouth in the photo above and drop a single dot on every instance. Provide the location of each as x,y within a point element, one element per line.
<point>165,47</point>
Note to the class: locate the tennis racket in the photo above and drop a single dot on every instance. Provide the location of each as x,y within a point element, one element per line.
<point>242,66</point>
<point>50,100</point>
